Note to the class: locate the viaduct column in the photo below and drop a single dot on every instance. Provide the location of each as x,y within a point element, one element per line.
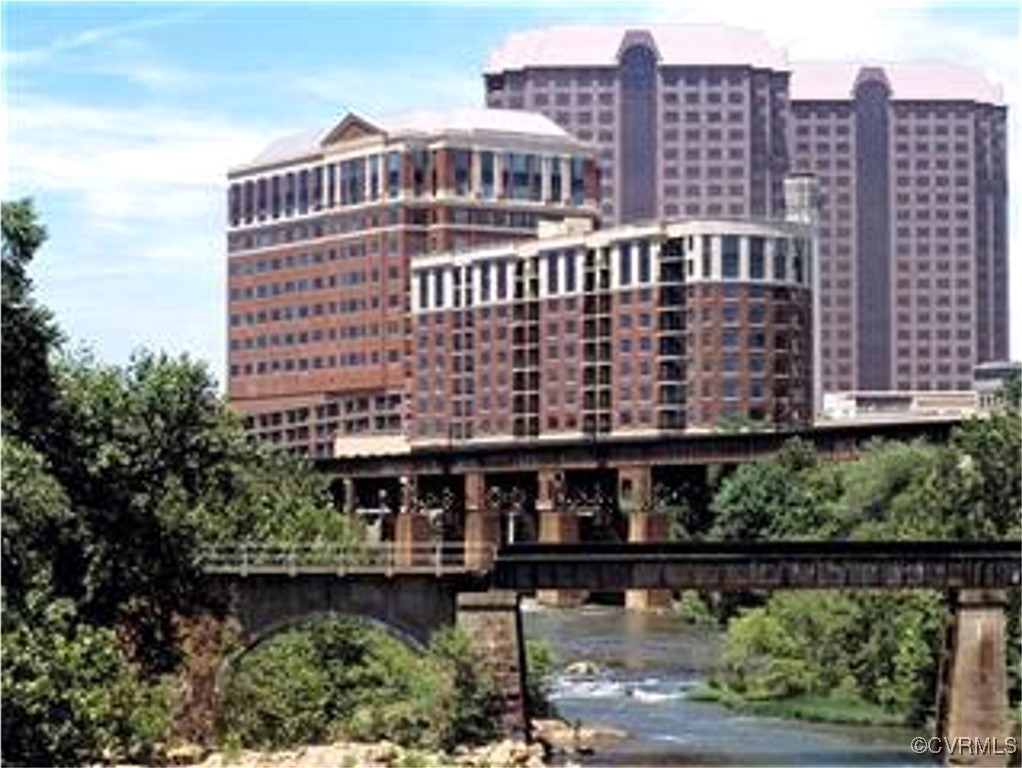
<point>973,696</point>
<point>635,498</point>
<point>557,525</point>
<point>493,623</point>
<point>412,531</point>
<point>482,524</point>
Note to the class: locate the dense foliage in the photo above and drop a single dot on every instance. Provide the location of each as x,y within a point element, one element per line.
<point>113,480</point>
<point>341,679</point>
<point>874,649</point>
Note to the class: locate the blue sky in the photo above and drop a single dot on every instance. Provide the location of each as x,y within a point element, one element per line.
<point>122,118</point>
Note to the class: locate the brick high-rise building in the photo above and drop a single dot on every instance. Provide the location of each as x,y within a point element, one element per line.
<point>322,231</point>
<point>702,120</point>
<point>644,329</point>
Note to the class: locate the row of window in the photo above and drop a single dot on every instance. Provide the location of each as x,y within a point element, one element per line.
<point>274,366</point>
<point>364,179</point>
<point>314,336</point>
<point>349,182</point>
<point>265,237</point>
<point>343,307</point>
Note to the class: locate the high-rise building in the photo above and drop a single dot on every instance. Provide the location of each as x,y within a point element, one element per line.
<point>911,160</point>
<point>687,120</point>
<point>703,120</point>
<point>322,231</point>
<point>634,330</point>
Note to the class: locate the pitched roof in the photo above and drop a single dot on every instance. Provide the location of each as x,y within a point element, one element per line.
<point>692,44</point>
<point>470,120</point>
<point>909,81</point>
<point>418,123</point>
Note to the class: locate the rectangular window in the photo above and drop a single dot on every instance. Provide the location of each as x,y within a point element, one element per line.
<point>551,272</point>
<point>780,259</point>
<point>423,292</point>
<point>578,181</point>
<point>707,254</point>
<point>303,192</point>
<point>438,287</point>
<point>501,280</point>
<point>757,268</point>
<point>331,188</point>
<point>555,179</point>
<point>393,175</point>
<point>797,261</point>
<point>645,265</point>
<point>624,263</point>
<point>569,272</point>
<point>484,281</point>
<point>486,167</point>
<point>374,177</point>
<point>462,161</point>
<point>729,256</point>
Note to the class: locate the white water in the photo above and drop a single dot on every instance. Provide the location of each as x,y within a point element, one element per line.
<point>646,666</point>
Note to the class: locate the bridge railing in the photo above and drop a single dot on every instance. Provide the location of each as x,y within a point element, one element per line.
<point>323,557</point>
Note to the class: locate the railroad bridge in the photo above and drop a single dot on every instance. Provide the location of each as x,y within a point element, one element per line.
<point>606,487</point>
<point>414,590</point>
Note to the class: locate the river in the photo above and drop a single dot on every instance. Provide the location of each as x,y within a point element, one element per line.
<point>648,664</point>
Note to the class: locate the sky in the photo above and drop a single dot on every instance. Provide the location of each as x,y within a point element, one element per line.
<point>121,119</point>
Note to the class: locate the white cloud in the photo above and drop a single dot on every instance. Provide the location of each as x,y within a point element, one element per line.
<point>128,168</point>
<point>136,256</point>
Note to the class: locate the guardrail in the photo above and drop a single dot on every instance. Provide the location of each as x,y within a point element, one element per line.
<point>387,558</point>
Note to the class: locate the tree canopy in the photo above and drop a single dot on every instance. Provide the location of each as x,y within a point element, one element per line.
<point>114,478</point>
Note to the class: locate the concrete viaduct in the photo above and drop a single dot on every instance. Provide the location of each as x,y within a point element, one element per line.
<point>414,591</point>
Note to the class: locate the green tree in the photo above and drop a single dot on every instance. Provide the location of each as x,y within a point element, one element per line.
<point>37,523</point>
<point>29,333</point>
<point>770,499</point>
<point>340,678</point>
<point>890,493</point>
<point>114,478</point>
<point>1011,391</point>
<point>980,479</point>
<point>70,696</point>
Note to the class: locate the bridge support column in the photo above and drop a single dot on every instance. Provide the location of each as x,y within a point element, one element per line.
<point>350,500</point>
<point>973,690</point>
<point>412,532</point>
<point>643,527</point>
<point>494,625</point>
<point>556,526</point>
<point>412,538</point>
<point>482,525</point>
<point>635,497</point>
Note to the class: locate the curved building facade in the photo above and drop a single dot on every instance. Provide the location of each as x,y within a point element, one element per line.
<point>664,327</point>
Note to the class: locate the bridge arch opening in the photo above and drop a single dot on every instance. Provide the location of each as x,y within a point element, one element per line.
<point>255,640</point>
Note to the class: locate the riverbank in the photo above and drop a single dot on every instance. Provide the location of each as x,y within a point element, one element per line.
<point>383,754</point>
<point>556,743</point>
<point>813,709</point>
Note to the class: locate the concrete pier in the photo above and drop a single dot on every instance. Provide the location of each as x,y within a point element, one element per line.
<point>973,695</point>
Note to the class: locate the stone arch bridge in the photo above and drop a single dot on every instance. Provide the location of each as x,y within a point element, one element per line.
<point>416,590</point>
